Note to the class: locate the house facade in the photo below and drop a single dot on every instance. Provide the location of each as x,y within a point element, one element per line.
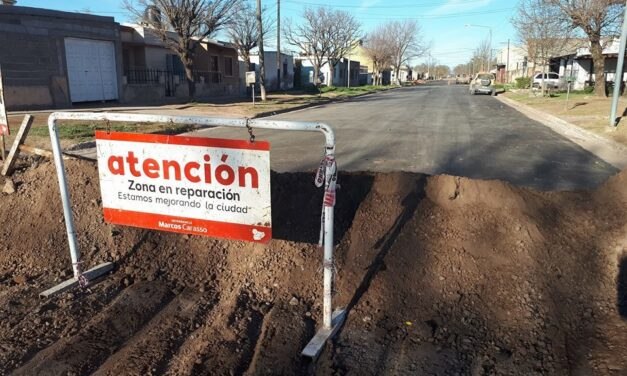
<point>404,74</point>
<point>330,75</point>
<point>154,73</point>
<point>579,67</point>
<point>270,61</point>
<point>51,59</point>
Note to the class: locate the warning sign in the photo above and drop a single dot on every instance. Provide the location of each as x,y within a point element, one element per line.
<point>199,186</point>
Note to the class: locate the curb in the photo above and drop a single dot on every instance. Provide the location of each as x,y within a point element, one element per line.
<point>608,150</point>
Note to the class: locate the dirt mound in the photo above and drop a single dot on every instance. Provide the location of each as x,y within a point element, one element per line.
<point>441,275</point>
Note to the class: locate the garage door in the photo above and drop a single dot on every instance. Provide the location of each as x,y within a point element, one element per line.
<point>91,70</point>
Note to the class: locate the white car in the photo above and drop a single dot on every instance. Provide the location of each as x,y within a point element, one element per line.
<point>551,81</point>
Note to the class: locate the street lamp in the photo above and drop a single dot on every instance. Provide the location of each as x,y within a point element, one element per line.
<point>490,40</point>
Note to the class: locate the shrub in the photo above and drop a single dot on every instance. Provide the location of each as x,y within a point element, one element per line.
<point>523,82</point>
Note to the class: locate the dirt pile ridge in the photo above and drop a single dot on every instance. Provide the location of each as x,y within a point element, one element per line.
<point>441,275</point>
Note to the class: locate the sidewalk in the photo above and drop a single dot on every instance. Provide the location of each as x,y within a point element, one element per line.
<point>608,150</point>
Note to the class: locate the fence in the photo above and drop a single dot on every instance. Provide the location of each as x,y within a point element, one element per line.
<point>154,76</point>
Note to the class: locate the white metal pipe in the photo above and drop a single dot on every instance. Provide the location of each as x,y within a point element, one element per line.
<point>327,306</point>
<point>65,196</point>
<point>201,120</point>
<point>618,76</point>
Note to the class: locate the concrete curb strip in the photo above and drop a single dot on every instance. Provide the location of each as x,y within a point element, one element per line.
<point>610,151</point>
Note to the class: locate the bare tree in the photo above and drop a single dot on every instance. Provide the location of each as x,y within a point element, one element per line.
<point>442,71</point>
<point>481,56</point>
<point>244,31</point>
<point>599,20</point>
<point>406,42</point>
<point>182,24</point>
<point>377,48</point>
<point>421,70</point>
<point>461,69</point>
<point>324,36</point>
<point>540,28</point>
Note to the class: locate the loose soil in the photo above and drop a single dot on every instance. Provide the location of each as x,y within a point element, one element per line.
<point>441,276</point>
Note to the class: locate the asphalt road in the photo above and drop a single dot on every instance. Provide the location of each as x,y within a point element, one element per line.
<point>435,129</point>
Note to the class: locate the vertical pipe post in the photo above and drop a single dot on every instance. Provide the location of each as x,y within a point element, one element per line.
<point>328,267</point>
<point>65,196</point>
<point>618,77</point>
<point>278,44</point>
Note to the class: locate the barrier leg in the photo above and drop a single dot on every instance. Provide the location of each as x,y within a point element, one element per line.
<point>79,277</point>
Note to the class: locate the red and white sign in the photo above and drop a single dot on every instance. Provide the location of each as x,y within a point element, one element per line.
<point>199,186</point>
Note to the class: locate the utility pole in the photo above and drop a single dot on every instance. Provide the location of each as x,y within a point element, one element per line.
<point>507,63</point>
<point>278,44</point>
<point>262,67</point>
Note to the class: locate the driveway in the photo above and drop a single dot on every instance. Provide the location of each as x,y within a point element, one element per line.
<point>435,129</point>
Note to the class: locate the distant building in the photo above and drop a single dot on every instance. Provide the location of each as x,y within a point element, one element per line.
<point>287,69</point>
<point>337,75</point>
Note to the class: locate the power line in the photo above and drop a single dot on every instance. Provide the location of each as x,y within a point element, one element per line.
<point>434,16</point>
<point>397,6</point>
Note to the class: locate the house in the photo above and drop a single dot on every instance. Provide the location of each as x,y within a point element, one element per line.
<point>270,61</point>
<point>366,75</point>
<point>513,62</point>
<point>53,59</point>
<point>404,73</point>
<point>330,75</point>
<point>578,64</point>
<point>153,73</point>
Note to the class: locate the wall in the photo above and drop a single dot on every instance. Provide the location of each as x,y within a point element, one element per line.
<point>287,76</point>
<point>32,56</point>
<point>209,83</point>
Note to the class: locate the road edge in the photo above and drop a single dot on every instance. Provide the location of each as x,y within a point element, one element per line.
<point>609,151</point>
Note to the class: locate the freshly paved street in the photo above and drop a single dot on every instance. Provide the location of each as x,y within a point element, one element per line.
<point>435,129</point>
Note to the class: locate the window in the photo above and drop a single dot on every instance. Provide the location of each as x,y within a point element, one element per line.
<point>284,70</point>
<point>213,64</point>
<point>553,76</point>
<point>228,66</point>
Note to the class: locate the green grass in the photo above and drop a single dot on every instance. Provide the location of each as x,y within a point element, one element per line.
<point>81,131</point>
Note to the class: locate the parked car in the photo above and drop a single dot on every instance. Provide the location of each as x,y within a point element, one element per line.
<point>462,79</point>
<point>551,81</point>
<point>483,83</point>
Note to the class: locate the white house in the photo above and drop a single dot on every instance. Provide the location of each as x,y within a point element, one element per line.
<point>270,61</point>
<point>331,76</point>
<point>405,74</point>
<point>578,65</point>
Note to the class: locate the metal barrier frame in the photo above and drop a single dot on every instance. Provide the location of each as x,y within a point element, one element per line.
<point>332,321</point>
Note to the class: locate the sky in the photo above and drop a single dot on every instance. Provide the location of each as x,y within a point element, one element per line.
<point>443,22</point>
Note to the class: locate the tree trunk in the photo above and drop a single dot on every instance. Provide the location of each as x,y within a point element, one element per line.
<point>189,75</point>
<point>397,71</point>
<point>316,74</point>
<point>262,67</point>
<point>246,58</point>
<point>598,60</point>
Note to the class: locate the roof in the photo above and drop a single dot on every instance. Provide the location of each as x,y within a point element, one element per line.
<point>153,39</point>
